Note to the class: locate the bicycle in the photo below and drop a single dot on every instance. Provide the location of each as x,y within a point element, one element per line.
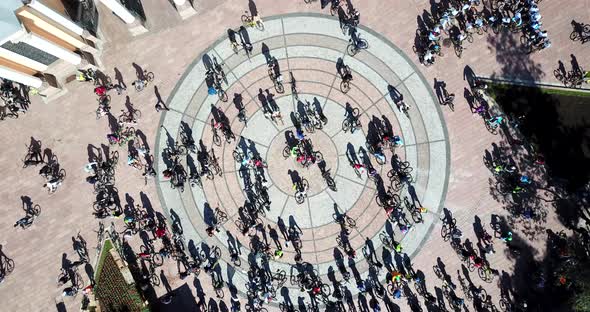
<point>448,100</point>
<point>580,32</point>
<point>458,47</point>
<point>219,216</point>
<point>55,180</point>
<point>414,211</point>
<point>219,69</point>
<point>216,86</point>
<point>352,122</point>
<point>252,21</point>
<point>449,230</point>
<point>301,191</point>
<point>344,220</point>
<point>143,81</point>
<point>356,45</point>
<point>485,273</point>
<point>28,220</point>
<point>346,76</point>
<point>276,78</point>
<point>492,125</point>
<point>147,253</point>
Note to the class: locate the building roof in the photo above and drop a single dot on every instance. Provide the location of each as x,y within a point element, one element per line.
<point>9,23</point>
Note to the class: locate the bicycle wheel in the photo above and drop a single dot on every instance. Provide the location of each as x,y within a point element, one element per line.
<point>155,279</point>
<point>9,265</point>
<point>149,76</point>
<point>305,184</point>
<point>260,25</point>
<point>61,175</point>
<point>458,50</point>
<point>469,37</point>
<point>286,152</point>
<point>136,114</point>
<point>364,44</point>
<point>216,138</point>
<point>483,274</point>
<point>318,157</point>
<point>346,124</point>
<point>381,160</point>
<point>380,201</point>
<point>36,210</point>
<point>351,49</point>
<point>138,85</point>
<point>246,19</point>
<point>505,304</point>
<point>299,199</point>
<point>437,271</point>
<point>350,221</point>
<point>482,293</point>
<point>450,102</point>
<point>222,95</point>
<point>491,129</point>
<point>344,86</point>
<point>445,232</point>
<point>279,87</point>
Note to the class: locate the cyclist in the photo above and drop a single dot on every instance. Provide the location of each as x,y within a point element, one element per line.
<point>278,254</point>
<point>401,105</point>
<point>434,34</point>
<point>506,237</point>
<point>100,91</point>
<point>496,120</point>
<point>477,261</point>
<point>52,184</point>
<point>211,230</point>
<point>132,159</point>
<point>379,153</point>
<point>24,221</point>
<point>396,277</point>
<point>167,173</point>
<point>500,168</point>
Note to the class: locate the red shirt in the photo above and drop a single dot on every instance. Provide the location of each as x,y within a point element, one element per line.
<point>100,90</point>
<point>160,232</point>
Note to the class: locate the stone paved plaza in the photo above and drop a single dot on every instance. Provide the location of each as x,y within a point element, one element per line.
<point>443,147</point>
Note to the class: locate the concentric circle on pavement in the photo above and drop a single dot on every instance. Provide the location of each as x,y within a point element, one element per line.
<point>309,46</point>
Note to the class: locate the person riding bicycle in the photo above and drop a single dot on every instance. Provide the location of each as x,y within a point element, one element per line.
<point>435,33</point>
<point>52,184</point>
<point>211,230</point>
<point>24,221</point>
<point>500,168</point>
<point>132,159</point>
<point>396,277</point>
<point>506,237</point>
<point>278,254</point>
<point>378,152</point>
<point>100,90</point>
<point>346,75</point>
<point>477,261</point>
<point>496,120</point>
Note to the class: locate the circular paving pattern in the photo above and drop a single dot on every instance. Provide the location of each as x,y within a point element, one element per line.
<point>309,46</point>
